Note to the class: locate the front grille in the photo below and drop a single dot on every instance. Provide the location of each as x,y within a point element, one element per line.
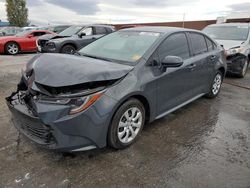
<point>33,128</point>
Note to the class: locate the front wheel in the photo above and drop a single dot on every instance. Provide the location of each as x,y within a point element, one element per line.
<point>68,49</point>
<point>127,124</point>
<point>216,85</point>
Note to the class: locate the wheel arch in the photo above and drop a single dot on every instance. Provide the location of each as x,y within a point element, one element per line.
<point>140,97</point>
<point>19,46</point>
<point>222,70</point>
<point>68,43</point>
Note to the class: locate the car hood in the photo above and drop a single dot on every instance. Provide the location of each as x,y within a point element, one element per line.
<point>59,70</point>
<point>227,44</point>
<point>50,36</point>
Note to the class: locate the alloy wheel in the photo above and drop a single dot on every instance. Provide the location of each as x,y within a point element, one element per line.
<point>12,48</point>
<point>217,84</point>
<point>129,125</point>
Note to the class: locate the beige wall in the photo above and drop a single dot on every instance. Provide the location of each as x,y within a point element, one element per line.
<point>188,24</point>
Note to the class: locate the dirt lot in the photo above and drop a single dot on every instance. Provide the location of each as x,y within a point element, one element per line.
<point>205,144</point>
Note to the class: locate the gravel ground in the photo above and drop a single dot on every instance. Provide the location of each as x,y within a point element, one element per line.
<point>205,144</point>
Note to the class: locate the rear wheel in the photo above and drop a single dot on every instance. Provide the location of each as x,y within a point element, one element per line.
<point>68,49</point>
<point>127,124</point>
<point>12,48</point>
<point>216,85</point>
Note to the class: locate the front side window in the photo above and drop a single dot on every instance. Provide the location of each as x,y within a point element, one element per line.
<point>122,46</point>
<point>174,45</point>
<point>198,43</point>
<point>71,31</point>
<point>88,31</point>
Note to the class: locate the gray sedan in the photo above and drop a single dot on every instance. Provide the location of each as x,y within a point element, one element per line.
<point>106,94</point>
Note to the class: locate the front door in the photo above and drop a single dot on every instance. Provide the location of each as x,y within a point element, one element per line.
<point>175,85</point>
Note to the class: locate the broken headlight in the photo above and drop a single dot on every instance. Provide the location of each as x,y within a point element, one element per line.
<point>77,104</point>
<point>233,51</point>
<point>51,45</point>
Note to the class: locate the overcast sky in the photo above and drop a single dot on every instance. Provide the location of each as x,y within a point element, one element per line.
<point>127,11</point>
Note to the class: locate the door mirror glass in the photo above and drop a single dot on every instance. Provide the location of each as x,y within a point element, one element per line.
<point>172,61</point>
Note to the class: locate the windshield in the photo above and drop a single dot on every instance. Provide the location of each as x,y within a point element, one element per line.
<point>125,46</point>
<point>22,34</point>
<point>228,32</point>
<point>71,31</point>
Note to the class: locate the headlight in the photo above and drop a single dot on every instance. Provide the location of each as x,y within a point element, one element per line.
<point>81,105</point>
<point>51,45</point>
<point>77,104</point>
<point>234,51</point>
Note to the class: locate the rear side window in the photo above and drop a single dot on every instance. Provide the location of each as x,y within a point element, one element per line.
<point>198,43</point>
<point>174,45</point>
<point>210,44</point>
<point>100,30</point>
<point>108,30</point>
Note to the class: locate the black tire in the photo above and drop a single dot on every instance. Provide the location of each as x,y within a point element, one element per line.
<point>12,48</point>
<point>244,69</point>
<point>68,49</point>
<point>113,139</point>
<point>212,94</point>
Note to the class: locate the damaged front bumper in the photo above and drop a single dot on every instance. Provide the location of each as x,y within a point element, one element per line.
<point>235,63</point>
<point>54,129</point>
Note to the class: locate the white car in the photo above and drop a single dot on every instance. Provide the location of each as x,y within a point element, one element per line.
<point>235,38</point>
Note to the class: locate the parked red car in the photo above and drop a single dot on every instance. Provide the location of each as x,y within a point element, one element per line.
<point>22,42</point>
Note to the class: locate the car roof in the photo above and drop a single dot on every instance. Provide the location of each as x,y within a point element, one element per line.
<point>158,29</point>
<point>84,25</point>
<point>40,30</point>
<point>229,24</point>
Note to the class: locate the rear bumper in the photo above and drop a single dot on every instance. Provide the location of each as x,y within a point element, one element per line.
<point>65,134</point>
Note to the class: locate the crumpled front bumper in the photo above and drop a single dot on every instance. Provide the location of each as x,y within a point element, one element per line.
<point>42,46</point>
<point>56,130</point>
<point>235,63</point>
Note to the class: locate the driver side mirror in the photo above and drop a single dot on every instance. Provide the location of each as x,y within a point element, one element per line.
<point>171,62</point>
<point>82,35</point>
<point>30,36</point>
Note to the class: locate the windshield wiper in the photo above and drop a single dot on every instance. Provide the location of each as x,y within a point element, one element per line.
<point>95,57</point>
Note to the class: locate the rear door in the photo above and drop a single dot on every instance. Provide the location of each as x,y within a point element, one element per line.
<point>212,59</point>
<point>199,52</point>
